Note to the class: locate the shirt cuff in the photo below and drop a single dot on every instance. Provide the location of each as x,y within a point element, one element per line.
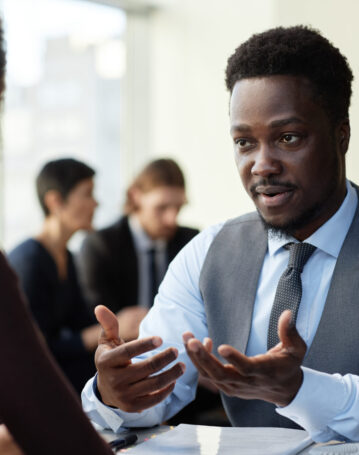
<point>116,418</point>
<point>109,415</point>
<point>319,400</point>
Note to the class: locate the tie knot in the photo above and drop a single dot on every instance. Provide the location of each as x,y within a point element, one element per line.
<point>299,253</point>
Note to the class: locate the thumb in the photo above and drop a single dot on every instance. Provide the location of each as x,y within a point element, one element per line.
<point>109,324</point>
<point>289,336</point>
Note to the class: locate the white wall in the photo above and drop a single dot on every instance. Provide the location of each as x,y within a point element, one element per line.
<point>338,21</point>
<point>190,44</point>
<point>190,41</point>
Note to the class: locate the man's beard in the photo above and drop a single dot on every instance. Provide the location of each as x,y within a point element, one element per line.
<point>292,226</point>
<point>310,214</point>
<point>303,219</point>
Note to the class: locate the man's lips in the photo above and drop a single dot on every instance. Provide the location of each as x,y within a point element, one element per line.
<point>273,195</point>
<point>272,190</point>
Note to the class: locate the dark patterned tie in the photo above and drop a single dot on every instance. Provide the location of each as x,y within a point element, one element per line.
<point>152,274</point>
<point>289,290</point>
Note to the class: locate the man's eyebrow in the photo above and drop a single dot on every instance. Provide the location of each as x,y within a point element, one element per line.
<point>244,128</point>
<point>285,122</point>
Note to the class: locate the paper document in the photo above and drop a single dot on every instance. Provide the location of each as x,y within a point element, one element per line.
<point>204,440</point>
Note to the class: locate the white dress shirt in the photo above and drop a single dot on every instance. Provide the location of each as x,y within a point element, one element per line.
<point>143,243</point>
<point>326,405</point>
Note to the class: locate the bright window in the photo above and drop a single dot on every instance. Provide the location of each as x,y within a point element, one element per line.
<point>66,64</point>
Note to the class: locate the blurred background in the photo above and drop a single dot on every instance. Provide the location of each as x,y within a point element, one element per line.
<point>116,83</point>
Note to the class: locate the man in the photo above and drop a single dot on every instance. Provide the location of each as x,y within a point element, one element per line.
<point>123,264</point>
<point>290,94</point>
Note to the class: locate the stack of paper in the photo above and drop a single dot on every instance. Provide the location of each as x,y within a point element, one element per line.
<point>204,440</point>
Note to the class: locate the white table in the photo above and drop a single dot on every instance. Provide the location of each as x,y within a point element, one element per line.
<point>148,433</point>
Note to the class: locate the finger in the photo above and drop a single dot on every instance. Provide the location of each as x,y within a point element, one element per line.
<point>187,336</point>
<point>242,363</point>
<point>152,365</point>
<point>147,401</point>
<point>198,366</point>
<point>122,355</point>
<point>208,344</point>
<point>289,336</point>
<point>155,383</point>
<point>206,363</point>
<point>109,324</point>
<point>192,346</point>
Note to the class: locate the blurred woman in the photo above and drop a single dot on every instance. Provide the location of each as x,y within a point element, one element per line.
<point>47,271</point>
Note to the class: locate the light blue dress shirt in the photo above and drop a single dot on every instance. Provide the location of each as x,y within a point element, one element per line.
<point>327,406</point>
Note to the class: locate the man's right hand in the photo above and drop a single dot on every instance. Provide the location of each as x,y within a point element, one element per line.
<point>132,387</point>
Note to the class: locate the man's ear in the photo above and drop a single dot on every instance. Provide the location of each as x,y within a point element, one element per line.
<point>53,201</point>
<point>343,135</point>
<point>136,197</point>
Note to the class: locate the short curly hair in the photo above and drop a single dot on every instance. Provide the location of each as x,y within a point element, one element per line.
<point>296,51</point>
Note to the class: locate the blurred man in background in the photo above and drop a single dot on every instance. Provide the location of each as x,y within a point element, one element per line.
<point>122,265</point>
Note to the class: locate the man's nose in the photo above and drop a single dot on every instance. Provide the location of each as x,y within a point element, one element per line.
<point>266,162</point>
<point>171,217</point>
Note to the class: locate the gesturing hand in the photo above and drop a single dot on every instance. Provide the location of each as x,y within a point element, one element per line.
<point>129,386</point>
<point>275,376</point>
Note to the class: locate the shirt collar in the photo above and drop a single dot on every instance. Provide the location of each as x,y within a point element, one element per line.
<point>142,241</point>
<point>330,236</point>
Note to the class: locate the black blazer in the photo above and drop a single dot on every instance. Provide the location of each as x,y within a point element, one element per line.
<point>108,266</point>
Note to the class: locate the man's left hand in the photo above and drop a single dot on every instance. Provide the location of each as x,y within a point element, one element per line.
<point>275,376</point>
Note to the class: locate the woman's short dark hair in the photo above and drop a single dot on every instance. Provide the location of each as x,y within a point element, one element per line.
<point>61,175</point>
<point>297,51</point>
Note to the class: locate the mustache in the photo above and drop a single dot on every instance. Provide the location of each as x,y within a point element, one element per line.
<point>271,182</point>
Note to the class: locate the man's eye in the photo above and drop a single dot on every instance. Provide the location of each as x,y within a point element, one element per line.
<point>289,138</point>
<point>241,142</point>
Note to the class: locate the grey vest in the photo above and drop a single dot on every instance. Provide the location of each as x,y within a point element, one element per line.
<point>228,284</point>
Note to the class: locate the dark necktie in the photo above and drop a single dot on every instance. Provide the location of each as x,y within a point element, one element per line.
<point>289,290</point>
<point>152,274</point>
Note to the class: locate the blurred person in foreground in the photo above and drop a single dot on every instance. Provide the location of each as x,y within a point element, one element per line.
<point>222,309</point>
<point>47,272</point>
<point>38,408</point>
